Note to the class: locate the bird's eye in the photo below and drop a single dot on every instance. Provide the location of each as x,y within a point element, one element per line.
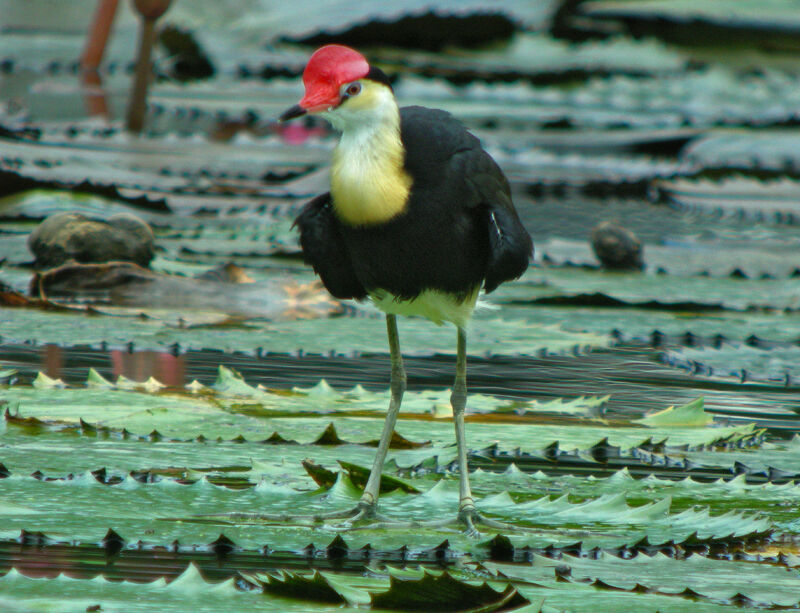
<point>353,89</point>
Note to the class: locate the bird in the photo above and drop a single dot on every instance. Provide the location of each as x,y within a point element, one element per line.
<point>419,219</point>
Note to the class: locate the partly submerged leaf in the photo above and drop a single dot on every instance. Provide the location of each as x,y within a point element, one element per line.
<point>322,476</point>
<point>716,579</point>
<point>753,360</point>
<point>356,478</point>
<point>704,255</point>
<point>316,588</point>
<point>42,381</point>
<point>579,287</point>
<point>359,475</point>
<point>96,380</point>
<point>231,382</point>
<point>740,197</point>
<point>163,330</point>
<point>690,414</point>
<point>442,592</point>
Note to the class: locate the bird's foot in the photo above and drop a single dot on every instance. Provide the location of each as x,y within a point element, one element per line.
<point>470,518</point>
<point>364,514</point>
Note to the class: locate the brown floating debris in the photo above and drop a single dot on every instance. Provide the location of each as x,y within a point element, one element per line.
<point>227,273</point>
<point>33,423</point>
<point>10,298</point>
<point>128,284</point>
<point>64,237</point>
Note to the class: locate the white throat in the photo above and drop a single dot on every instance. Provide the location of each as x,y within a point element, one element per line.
<point>368,182</point>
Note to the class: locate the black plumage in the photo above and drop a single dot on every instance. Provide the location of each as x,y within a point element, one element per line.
<point>458,231</point>
<point>324,248</point>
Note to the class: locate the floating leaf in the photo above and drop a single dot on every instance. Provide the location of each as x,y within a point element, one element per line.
<point>42,381</point>
<point>739,197</point>
<point>754,360</point>
<point>720,580</point>
<point>231,382</point>
<point>705,256</point>
<point>316,588</point>
<point>359,475</point>
<point>96,380</point>
<point>190,490</point>
<point>575,287</point>
<point>690,414</point>
<point>442,592</point>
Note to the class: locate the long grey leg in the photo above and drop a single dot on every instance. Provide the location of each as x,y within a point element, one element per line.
<point>369,500</point>
<point>467,514</point>
<point>458,399</point>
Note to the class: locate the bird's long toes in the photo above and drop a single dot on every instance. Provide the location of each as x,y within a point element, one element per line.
<point>372,521</point>
<point>469,521</point>
<point>471,518</point>
<point>360,511</point>
<point>468,516</point>
<point>367,509</point>
<point>360,517</point>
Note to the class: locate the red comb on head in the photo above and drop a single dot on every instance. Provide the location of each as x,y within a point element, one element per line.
<point>328,69</point>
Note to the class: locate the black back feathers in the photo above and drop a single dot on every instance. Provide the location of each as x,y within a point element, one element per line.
<point>510,247</point>
<point>458,231</point>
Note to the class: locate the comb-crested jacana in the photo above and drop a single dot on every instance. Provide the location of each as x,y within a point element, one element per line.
<point>418,219</point>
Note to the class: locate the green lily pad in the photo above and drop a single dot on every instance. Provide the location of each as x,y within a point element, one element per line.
<point>20,592</point>
<point>666,292</point>
<point>766,587</point>
<point>691,414</point>
<point>487,333</point>
<point>441,592</point>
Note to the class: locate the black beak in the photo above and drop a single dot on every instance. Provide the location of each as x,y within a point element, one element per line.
<point>295,111</point>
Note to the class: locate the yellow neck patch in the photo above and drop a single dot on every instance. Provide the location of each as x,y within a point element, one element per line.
<point>368,182</point>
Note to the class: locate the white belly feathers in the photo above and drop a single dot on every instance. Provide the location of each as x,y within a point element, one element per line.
<point>435,305</point>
